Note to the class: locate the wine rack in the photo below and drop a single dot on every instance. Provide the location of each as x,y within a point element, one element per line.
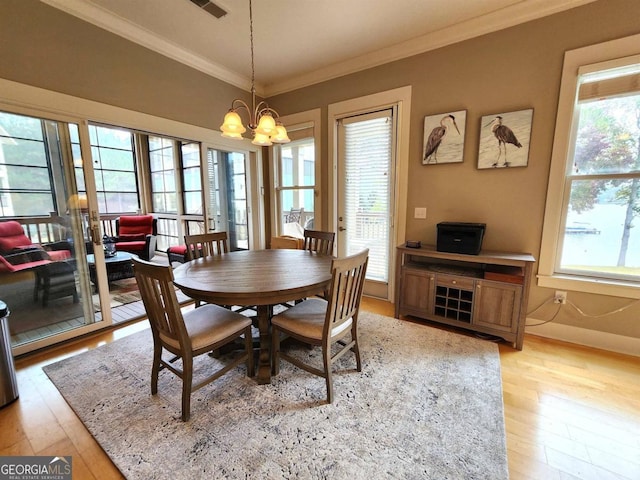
<point>454,303</point>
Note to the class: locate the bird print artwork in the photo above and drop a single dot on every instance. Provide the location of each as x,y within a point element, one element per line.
<point>504,135</point>
<point>509,132</point>
<point>443,138</point>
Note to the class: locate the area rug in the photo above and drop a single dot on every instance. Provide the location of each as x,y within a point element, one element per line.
<point>427,404</point>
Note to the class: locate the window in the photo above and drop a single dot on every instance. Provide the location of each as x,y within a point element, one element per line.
<point>591,242</point>
<point>25,178</point>
<point>295,204</point>
<point>191,179</point>
<point>296,173</point>
<point>114,169</point>
<point>163,175</point>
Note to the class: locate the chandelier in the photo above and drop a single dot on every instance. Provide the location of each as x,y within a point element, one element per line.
<point>266,131</point>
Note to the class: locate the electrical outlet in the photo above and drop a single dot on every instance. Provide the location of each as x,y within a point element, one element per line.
<point>560,297</point>
<point>420,212</point>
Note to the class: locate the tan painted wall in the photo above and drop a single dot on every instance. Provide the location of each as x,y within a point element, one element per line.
<point>44,47</point>
<point>509,70</point>
<point>514,69</point>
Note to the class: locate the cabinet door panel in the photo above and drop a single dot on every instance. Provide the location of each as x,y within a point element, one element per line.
<point>497,305</point>
<point>417,291</point>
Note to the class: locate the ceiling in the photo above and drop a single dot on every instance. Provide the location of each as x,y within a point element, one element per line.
<point>302,42</point>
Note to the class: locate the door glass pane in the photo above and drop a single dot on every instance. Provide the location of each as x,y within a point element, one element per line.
<point>43,271</point>
<point>227,196</point>
<point>366,189</point>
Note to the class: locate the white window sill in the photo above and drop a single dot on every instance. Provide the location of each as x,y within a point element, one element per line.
<point>590,285</point>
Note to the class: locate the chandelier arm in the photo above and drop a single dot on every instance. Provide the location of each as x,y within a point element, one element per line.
<point>263,108</point>
<point>242,105</point>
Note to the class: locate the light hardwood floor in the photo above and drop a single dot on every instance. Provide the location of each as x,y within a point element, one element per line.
<point>570,412</point>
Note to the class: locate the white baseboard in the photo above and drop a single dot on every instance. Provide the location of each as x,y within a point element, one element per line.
<point>589,338</point>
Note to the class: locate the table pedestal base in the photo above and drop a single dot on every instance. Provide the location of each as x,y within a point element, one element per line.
<point>263,376</point>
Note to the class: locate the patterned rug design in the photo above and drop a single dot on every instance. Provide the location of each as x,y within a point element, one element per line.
<point>427,404</point>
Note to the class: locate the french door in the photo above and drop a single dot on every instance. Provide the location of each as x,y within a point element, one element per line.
<point>365,192</point>
<point>227,205</point>
<point>42,185</point>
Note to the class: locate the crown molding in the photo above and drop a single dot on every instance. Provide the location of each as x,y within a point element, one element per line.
<point>506,17</point>
<point>492,22</point>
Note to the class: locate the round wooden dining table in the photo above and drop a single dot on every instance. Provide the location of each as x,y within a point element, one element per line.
<point>260,278</point>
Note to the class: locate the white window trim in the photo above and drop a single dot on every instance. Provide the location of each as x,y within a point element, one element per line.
<point>313,117</point>
<point>575,62</point>
<point>402,98</point>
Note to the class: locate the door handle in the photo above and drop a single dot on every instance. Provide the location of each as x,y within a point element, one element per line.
<point>341,229</point>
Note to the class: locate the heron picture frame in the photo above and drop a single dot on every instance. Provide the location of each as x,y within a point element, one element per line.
<point>504,139</point>
<point>444,138</point>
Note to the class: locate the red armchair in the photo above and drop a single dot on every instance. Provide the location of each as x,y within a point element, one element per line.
<point>137,234</point>
<point>53,268</point>
<point>17,248</point>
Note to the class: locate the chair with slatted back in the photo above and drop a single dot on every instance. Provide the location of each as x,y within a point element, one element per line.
<point>323,323</point>
<point>319,241</point>
<point>206,244</point>
<point>189,334</point>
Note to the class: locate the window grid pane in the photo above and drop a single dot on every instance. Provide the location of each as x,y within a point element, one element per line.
<point>25,178</point>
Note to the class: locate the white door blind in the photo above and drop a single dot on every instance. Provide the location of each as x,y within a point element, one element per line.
<point>367,186</point>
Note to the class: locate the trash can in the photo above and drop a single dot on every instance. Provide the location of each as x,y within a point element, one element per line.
<point>8,384</point>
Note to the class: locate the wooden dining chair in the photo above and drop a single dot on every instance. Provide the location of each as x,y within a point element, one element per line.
<point>319,241</point>
<point>323,323</point>
<point>286,242</point>
<point>187,335</point>
<point>206,244</point>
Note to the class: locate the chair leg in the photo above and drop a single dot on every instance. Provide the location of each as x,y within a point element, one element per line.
<point>356,349</point>
<point>326,359</point>
<point>275,350</point>
<point>155,369</point>
<point>187,380</point>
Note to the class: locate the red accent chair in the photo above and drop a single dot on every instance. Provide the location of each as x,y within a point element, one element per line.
<point>137,234</point>
<point>52,264</point>
<point>13,241</point>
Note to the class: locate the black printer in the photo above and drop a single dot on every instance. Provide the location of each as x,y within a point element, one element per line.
<point>460,237</point>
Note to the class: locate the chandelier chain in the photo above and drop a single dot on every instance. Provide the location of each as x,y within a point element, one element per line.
<point>253,70</point>
<point>266,130</point>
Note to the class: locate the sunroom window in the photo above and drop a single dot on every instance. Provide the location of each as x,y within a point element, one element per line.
<point>25,176</point>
